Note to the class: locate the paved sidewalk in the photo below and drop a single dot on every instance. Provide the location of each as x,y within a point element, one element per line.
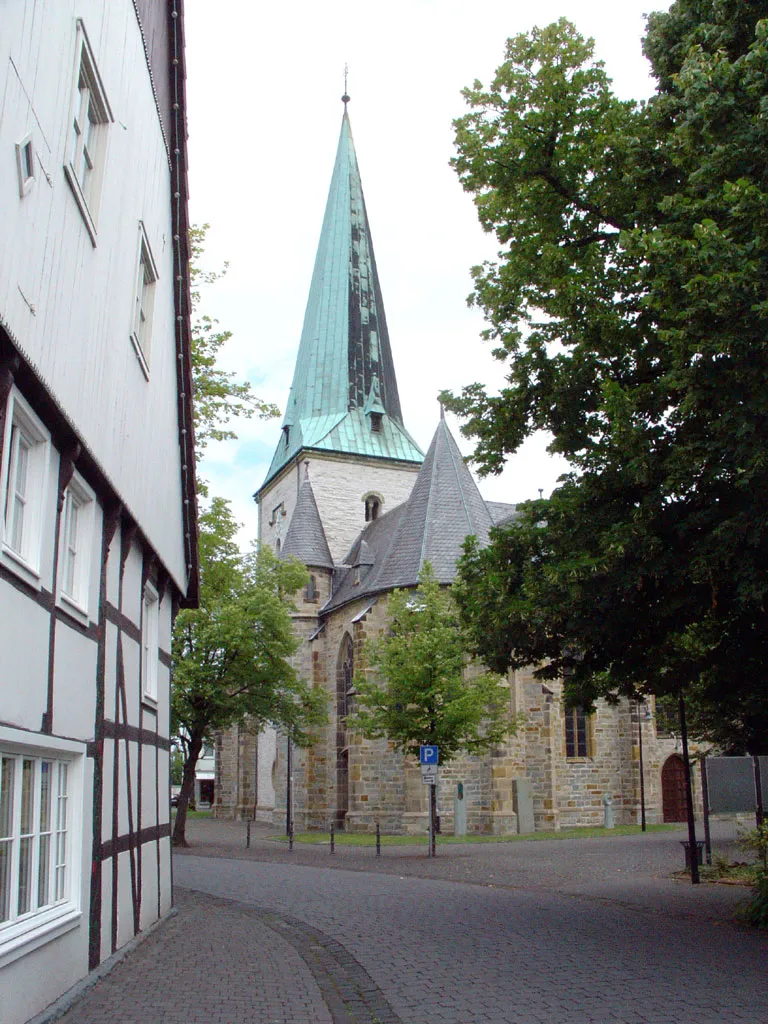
<point>637,871</point>
<point>579,932</point>
<point>214,962</point>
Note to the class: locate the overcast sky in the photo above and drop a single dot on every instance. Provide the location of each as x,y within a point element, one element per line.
<point>263,91</point>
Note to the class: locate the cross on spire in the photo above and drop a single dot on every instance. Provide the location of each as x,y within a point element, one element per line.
<point>345,97</point>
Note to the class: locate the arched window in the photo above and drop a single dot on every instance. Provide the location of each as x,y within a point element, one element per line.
<point>344,678</point>
<point>311,593</point>
<point>372,507</point>
<point>345,673</point>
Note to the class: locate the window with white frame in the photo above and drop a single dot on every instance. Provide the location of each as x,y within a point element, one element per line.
<point>143,301</point>
<point>90,119</point>
<point>24,476</point>
<point>37,866</point>
<point>75,543</point>
<point>149,642</point>
<point>25,165</point>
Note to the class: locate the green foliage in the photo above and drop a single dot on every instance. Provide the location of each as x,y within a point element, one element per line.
<point>232,655</point>
<point>755,910</point>
<point>630,299</point>
<point>419,690</point>
<point>177,766</point>
<point>219,396</point>
<point>756,839</point>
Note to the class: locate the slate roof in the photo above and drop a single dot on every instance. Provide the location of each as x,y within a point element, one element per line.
<point>306,538</point>
<point>444,507</point>
<point>501,511</point>
<point>344,368</point>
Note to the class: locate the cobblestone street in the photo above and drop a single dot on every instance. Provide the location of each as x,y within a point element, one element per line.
<point>267,936</point>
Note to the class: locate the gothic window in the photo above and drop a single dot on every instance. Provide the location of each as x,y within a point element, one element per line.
<point>311,592</point>
<point>344,682</point>
<point>577,738</point>
<point>372,507</point>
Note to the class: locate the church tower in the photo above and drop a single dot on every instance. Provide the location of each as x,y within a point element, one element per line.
<point>343,420</point>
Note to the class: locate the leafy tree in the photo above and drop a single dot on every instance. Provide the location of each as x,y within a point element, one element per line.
<point>418,691</point>
<point>177,766</point>
<point>219,396</point>
<point>232,655</point>
<point>631,300</point>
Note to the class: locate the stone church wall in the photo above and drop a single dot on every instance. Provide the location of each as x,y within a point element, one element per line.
<point>340,486</point>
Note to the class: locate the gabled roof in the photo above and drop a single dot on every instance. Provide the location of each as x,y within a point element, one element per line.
<point>444,507</point>
<point>306,538</point>
<point>344,369</point>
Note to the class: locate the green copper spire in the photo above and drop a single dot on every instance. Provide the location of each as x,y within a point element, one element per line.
<point>344,394</point>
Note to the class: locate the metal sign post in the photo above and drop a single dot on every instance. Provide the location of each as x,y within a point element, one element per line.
<point>429,758</point>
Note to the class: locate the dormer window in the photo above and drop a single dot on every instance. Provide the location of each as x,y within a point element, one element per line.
<point>286,435</point>
<point>372,507</point>
<point>376,418</point>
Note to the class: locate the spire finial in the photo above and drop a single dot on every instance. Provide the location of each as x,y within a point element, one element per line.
<point>345,97</point>
<point>442,410</point>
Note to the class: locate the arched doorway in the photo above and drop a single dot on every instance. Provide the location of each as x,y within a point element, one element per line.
<point>345,673</point>
<point>673,795</point>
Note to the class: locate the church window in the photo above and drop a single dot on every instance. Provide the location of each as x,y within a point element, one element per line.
<point>287,435</point>
<point>577,733</point>
<point>278,545</point>
<point>372,507</point>
<point>376,422</point>
<point>311,592</point>
<point>279,510</point>
<point>344,681</point>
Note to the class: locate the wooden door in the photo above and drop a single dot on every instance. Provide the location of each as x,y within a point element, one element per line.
<point>673,794</point>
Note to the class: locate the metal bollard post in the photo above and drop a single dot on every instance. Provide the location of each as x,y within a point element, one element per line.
<point>290,837</point>
<point>333,839</point>
<point>378,840</point>
<point>248,835</point>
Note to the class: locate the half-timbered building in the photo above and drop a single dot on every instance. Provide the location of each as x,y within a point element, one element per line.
<point>97,502</point>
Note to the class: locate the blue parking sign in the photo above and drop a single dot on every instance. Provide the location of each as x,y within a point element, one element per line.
<point>429,755</point>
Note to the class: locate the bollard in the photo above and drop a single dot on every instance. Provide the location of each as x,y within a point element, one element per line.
<point>608,821</point>
<point>687,847</point>
<point>248,835</point>
<point>378,840</point>
<point>333,839</point>
<point>290,837</point>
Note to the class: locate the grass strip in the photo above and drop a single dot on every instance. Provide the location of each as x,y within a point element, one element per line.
<point>368,839</point>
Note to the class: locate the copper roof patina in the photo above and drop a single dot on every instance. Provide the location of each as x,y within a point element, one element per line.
<point>344,395</point>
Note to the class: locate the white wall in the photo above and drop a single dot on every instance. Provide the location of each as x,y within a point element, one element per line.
<point>340,486</point>
<point>77,339</point>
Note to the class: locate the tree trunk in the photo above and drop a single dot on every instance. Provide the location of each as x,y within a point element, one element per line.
<point>187,789</point>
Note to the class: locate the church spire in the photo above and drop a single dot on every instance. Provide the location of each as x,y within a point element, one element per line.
<point>344,395</point>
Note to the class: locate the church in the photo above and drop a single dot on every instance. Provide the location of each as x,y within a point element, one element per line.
<point>351,495</point>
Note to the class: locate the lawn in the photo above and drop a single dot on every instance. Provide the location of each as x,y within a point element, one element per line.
<point>367,839</point>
